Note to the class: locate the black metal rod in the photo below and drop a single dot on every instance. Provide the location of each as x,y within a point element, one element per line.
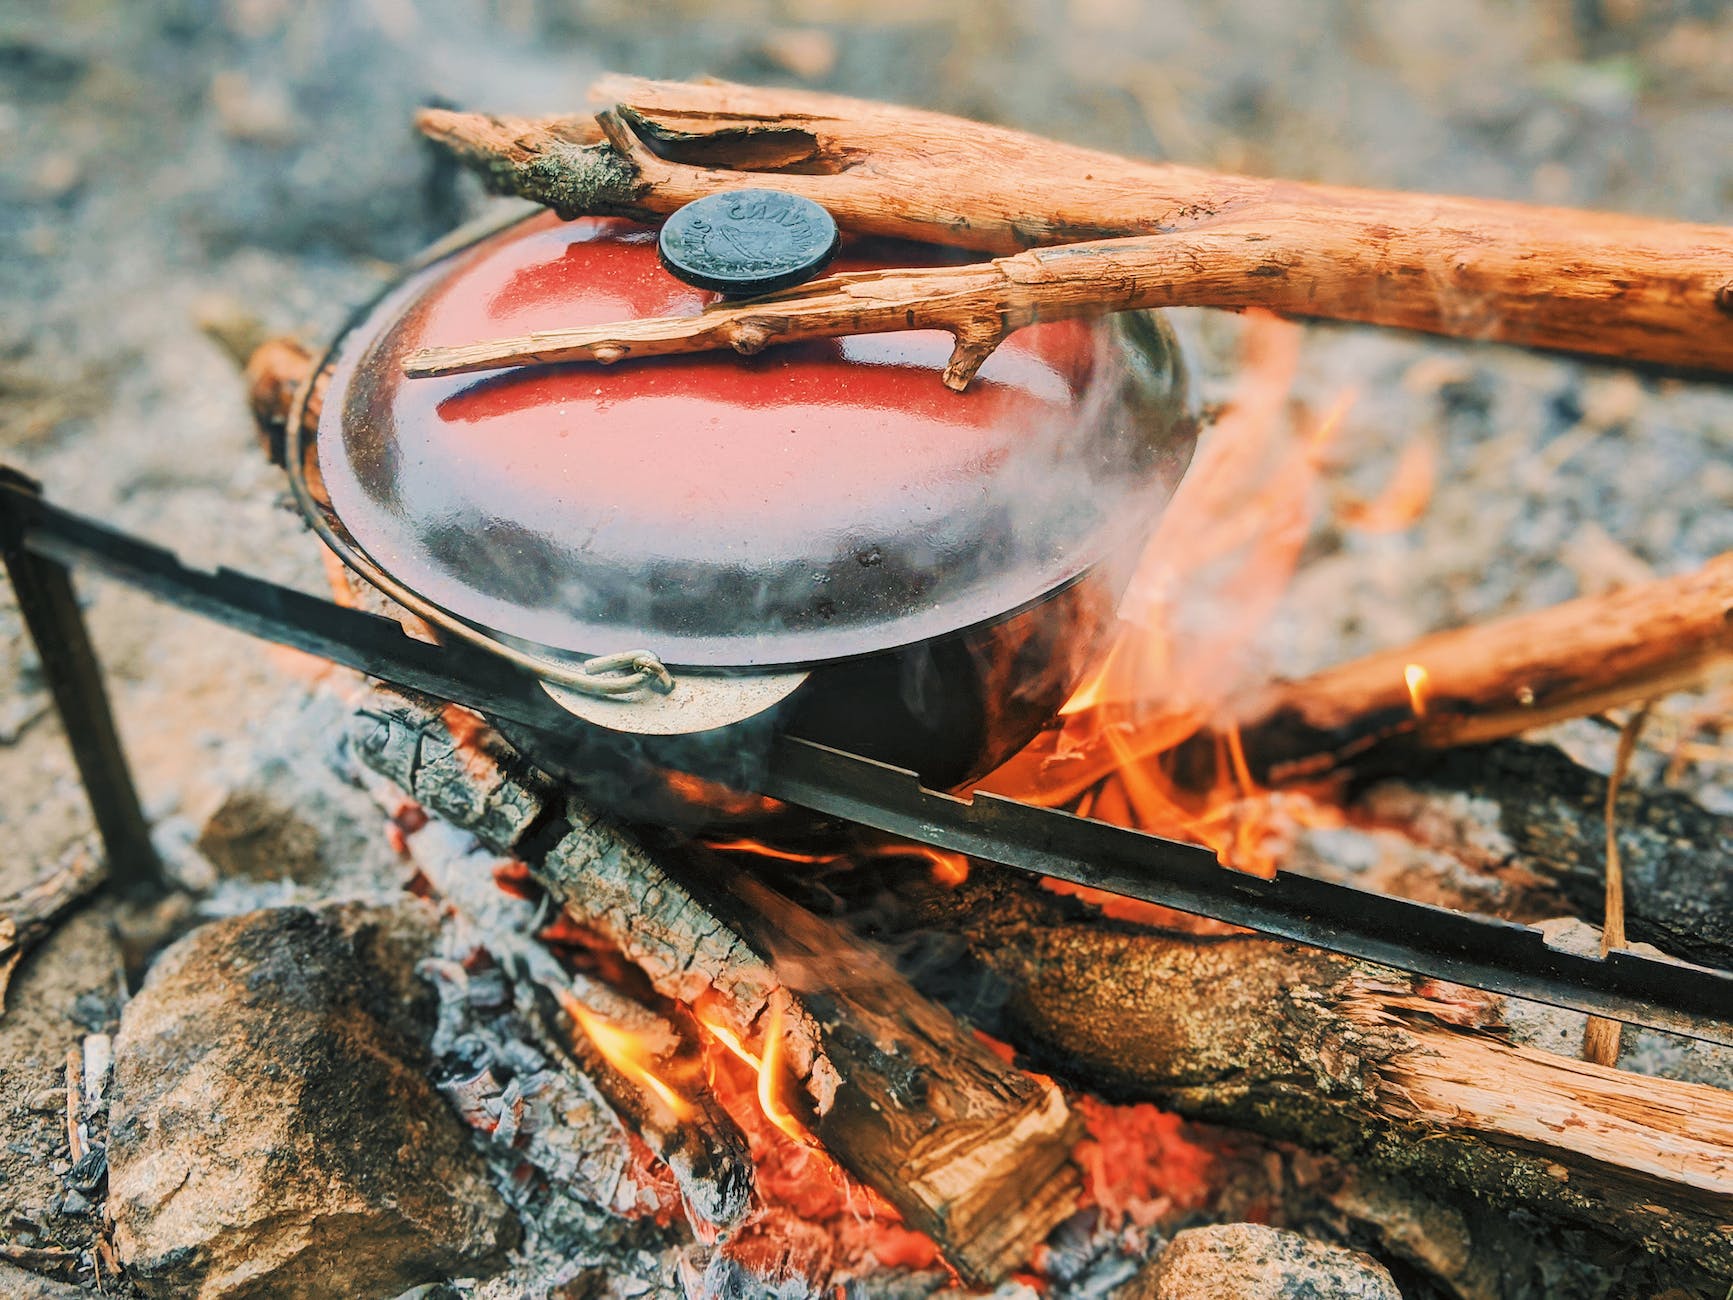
<point>56,626</point>
<point>1492,954</point>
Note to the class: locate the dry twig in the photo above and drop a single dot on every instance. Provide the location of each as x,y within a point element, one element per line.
<point>1601,1036</point>
<point>29,916</point>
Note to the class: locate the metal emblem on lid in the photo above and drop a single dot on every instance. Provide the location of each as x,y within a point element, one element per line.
<point>748,242</point>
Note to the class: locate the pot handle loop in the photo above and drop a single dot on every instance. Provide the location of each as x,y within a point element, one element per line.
<point>618,674</point>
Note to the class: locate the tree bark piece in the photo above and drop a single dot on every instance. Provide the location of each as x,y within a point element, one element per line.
<point>1633,288</point>
<point>1401,1073</point>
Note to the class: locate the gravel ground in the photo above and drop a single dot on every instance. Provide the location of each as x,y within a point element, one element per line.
<point>168,166</point>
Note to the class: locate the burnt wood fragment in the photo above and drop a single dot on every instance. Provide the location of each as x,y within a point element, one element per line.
<point>1677,856</point>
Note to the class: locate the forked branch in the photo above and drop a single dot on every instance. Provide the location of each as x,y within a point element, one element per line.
<point>1150,234</point>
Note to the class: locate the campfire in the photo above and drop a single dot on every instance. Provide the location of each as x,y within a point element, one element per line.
<point>636,1010</point>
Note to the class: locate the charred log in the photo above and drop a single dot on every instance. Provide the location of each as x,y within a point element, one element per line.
<point>1408,1076</point>
<point>691,1133</point>
<point>1546,811</point>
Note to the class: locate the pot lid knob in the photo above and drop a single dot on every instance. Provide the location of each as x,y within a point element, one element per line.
<point>747,242</point>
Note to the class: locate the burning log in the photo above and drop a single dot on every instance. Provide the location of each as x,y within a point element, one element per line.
<point>970,1150</point>
<point>1402,1073</point>
<point>1463,687</point>
<point>1631,288</point>
<point>1476,684</point>
<point>976,1151</point>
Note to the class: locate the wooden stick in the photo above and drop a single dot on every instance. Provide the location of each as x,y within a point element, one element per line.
<point>1628,287</point>
<point>1601,1036</point>
<point>1496,679</point>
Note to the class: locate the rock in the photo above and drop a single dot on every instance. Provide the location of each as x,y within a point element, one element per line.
<point>21,1284</point>
<point>253,834</point>
<point>273,1131</point>
<point>1247,1261</point>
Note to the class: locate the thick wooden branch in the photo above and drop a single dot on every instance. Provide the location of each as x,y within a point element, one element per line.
<point>1499,678</point>
<point>1633,288</point>
<point>1403,1074</point>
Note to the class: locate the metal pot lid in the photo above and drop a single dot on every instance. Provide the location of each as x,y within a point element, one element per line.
<point>821,501</point>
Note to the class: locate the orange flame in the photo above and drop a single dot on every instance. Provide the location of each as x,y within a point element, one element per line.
<point>628,1052</point>
<point>1419,688</point>
<point>767,1067</point>
<point>1405,496</point>
<point>948,869</point>
<point>1207,585</point>
<point>763,850</point>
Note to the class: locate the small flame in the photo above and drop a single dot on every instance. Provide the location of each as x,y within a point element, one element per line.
<point>763,850</point>
<point>1219,562</point>
<point>769,1077</point>
<point>1404,498</point>
<point>627,1052</point>
<point>949,869</point>
<point>1419,688</point>
<point>767,1067</point>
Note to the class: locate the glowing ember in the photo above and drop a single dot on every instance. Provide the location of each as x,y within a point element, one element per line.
<point>629,1053</point>
<point>1138,1164</point>
<point>1419,684</point>
<point>1208,583</point>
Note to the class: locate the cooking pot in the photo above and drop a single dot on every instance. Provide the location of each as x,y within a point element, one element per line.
<point>698,550</point>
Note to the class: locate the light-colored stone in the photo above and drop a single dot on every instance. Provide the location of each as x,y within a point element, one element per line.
<point>273,1129</point>
<point>1247,1261</point>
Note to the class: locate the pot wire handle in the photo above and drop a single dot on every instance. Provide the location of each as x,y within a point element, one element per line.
<point>619,674</point>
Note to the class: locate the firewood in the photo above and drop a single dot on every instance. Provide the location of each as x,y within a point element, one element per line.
<point>972,1151</point>
<point>1492,680</point>
<point>1633,288</point>
<point>1539,816</point>
<point>1402,1074</point>
<point>969,1150</point>
<point>30,915</point>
